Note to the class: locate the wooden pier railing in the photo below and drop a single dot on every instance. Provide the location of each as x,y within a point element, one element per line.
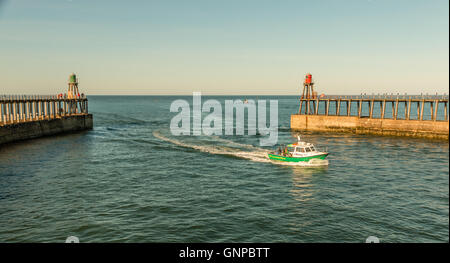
<point>406,103</point>
<point>23,108</point>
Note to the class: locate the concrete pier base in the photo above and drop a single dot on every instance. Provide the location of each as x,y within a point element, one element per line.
<point>34,129</point>
<point>389,127</point>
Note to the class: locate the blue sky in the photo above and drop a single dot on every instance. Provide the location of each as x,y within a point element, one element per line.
<point>224,47</point>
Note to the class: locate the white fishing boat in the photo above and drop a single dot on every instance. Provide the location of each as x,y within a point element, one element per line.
<point>298,152</point>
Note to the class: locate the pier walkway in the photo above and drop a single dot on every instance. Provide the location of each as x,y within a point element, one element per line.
<point>406,103</point>
<point>24,108</point>
<point>399,115</point>
<point>24,117</point>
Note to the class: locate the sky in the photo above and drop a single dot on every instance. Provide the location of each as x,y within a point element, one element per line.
<point>233,47</point>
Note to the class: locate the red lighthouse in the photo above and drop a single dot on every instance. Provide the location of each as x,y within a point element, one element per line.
<point>308,79</point>
<point>307,95</point>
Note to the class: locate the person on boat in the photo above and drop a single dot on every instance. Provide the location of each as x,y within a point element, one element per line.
<point>285,152</point>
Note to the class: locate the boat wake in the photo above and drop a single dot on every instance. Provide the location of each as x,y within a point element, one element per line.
<point>257,154</point>
<point>231,148</point>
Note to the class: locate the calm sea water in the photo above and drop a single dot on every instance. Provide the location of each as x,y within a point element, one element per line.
<point>130,180</point>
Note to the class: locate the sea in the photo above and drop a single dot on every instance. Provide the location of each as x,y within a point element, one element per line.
<point>129,179</point>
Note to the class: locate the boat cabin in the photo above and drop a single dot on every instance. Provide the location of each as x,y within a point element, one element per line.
<point>304,149</point>
<point>301,149</point>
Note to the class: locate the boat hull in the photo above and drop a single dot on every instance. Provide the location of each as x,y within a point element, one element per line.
<point>281,158</point>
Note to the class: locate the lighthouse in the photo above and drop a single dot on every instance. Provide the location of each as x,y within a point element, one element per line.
<point>307,95</point>
<point>73,87</point>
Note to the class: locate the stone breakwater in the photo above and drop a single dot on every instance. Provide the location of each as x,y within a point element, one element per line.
<point>430,121</point>
<point>39,128</point>
<point>407,128</point>
<point>25,117</point>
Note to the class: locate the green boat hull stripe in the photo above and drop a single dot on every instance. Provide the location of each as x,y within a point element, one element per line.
<point>296,159</point>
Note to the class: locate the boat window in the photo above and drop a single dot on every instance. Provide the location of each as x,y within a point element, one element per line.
<point>302,150</point>
<point>313,149</point>
<point>308,149</point>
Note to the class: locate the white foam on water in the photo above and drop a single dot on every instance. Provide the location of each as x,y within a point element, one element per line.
<point>257,155</point>
<point>253,153</point>
<point>232,143</point>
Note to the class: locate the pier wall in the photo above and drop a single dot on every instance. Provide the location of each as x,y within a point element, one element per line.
<point>391,127</point>
<point>25,117</point>
<point>38,128</point>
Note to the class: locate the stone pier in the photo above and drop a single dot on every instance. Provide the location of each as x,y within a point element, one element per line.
<point>361,117</point>
<point>29,117</point>
<point>409,128</point>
